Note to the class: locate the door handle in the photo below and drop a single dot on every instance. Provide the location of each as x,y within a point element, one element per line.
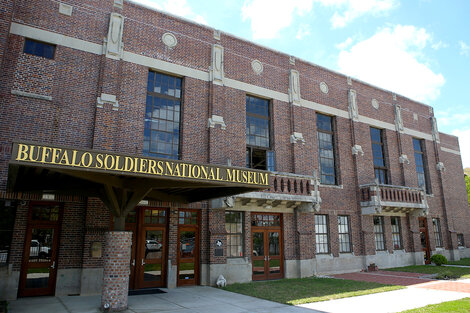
<point>133,262</point>
<point>265,257</point>
<point>53,264</point>
<point>269,258</point>
<point>143,263</point>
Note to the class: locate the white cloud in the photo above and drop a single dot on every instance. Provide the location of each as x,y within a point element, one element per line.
<point>452,119</point>
<point>392,59</point>
<point>464,48</point>
<point>304,30</point>
<point>439,45</point>
<point>343,45</point>
<point>349,10</point>
<point>269,17</point>
<point>175,7</point>
<point>464,143</point>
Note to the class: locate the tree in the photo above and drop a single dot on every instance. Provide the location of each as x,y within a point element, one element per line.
<point>467,182</point>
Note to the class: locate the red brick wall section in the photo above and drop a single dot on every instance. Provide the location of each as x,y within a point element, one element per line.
<point>117,255</point>
<point>71,235</point>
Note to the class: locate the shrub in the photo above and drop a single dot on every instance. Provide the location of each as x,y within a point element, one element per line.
<point>438,259</point>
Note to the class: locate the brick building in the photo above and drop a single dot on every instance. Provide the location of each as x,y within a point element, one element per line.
<point>221,156</point>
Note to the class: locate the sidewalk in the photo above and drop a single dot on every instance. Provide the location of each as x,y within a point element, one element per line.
<point>180,300</point>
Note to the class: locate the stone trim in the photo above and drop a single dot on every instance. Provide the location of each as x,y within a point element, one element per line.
<point>450,151</point>
<point>74,43</point>
<point>30,95</point>
<point>107,98</point>
<point>216,120</point>
<point>65,9</point>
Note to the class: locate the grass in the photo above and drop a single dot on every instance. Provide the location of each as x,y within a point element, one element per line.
<point>457,272</point>
<point>306,290</point>
<point>465,261</point>
<point>457,306</point>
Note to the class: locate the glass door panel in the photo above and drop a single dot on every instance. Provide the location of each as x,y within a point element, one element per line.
<point>258,256</point>
<point>151,260</point>
<point>274,255</point>
<point>187,256</point>
<point>39,261</point>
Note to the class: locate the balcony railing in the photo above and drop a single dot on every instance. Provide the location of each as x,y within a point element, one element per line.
<point>290,191</point>
<point>377,198</point>
<point>291,184</point>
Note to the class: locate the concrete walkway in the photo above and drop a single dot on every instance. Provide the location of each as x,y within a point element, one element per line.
<point>180,300</point>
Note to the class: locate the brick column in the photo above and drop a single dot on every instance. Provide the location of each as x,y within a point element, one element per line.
<point>117,255</point>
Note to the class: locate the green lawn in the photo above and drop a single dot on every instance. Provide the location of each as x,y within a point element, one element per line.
<point>465,261</point>
<point>457,306</point>
<point>457,272</point>
<point>305,290</point>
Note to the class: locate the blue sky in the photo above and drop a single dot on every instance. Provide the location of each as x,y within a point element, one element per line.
<point>420,48</point>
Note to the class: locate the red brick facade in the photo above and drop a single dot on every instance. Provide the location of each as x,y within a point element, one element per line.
<point>55,102</point>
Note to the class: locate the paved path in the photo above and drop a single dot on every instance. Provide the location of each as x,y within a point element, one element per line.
<point>421,291</point>
<point>387,277</point>
<point>198,299</point>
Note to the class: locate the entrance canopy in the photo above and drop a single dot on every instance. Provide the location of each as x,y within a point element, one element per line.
<point>121,181</point>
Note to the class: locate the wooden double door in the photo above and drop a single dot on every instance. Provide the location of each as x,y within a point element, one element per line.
<point>39,265</point>
<point>148,267</point>
<point>267,249</point>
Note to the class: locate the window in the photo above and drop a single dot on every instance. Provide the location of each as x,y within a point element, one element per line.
<point>343,232</point>
<point>396,233</point>
<point>378,148</point>
<point>321,234</point>
<point>265,220</point>
<point>7,222</point>
<point>326,149</point>
<point>155,216</point>
<point>41,49</point>
<point>234,228</point>
<point>162,116</point>
<point>420,160</point>
<point>187,217</point>
<point>379,233</point>
<point>258,143</point>
<point>460,241</point>
<point>436,224</point>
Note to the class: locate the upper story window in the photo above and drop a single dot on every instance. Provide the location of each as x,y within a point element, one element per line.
<point>258,143</point>
<point>378,152</point>
<point>460,240</point>
<point>162,116</point>
<point>322,244</point>
<point>326,149</point>
<point>420,160</point>
<point>41,49</point>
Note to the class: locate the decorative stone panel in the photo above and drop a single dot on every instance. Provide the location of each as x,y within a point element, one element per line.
<point>117,256</point>
<point>375,104</point>
<point>398,119</point>
<point>324,87</point>
<point>435,130</point>
<point>294,87</point>
<point>353,111</point>
<point>257,67</point>
<point>113,43</point>
<point>65,9</point>
<point>217,67</point>
<point>169,40</point>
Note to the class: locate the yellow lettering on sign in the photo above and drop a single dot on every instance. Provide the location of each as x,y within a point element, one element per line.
<point>22,152</point>
<point>128,164</point>
<point>117,168</point>
<point>106,161</point>
<point>160,168</point>
<point>84,161</point>
<point>45,154</point>
<point>65,157</point>
<point>152,165</point>
<point>99,160</point>
<point>55,155</point>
